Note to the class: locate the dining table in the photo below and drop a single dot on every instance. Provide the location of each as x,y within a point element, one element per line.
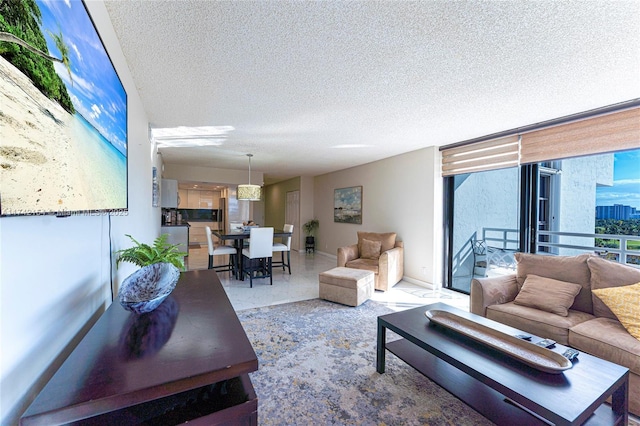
<point>238,236</point>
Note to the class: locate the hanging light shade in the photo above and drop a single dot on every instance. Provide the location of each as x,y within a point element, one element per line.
<point>247,191</point>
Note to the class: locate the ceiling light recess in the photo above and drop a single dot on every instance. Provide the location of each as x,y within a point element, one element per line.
<point>249,192</point>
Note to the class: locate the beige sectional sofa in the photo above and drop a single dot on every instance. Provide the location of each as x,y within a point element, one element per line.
<point>536,298</point>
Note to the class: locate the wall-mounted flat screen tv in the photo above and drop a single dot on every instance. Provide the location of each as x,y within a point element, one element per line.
<point>63,113</point>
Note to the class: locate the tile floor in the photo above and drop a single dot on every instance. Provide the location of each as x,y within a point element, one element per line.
<point>302,284</point>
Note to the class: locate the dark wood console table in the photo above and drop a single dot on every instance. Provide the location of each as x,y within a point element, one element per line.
<point>186,361</point>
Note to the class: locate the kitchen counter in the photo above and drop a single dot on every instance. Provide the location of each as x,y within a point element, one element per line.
<point>178,234</point>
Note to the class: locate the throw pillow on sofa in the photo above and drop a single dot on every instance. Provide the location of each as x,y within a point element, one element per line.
<point>547,294</point>
<point>571,269</point>
<point>624,302</point>
<point>606,273</point>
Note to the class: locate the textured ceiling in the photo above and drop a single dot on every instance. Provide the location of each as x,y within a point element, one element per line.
<point>298,79</point>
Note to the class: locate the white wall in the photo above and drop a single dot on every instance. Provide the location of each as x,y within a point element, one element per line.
<point>401,194</point>
<point>55,273</point>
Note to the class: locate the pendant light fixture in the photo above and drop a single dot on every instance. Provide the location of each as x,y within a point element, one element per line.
<point>249,192</point>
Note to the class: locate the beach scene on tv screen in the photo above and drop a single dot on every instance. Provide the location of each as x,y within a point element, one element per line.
<point>63,113</point>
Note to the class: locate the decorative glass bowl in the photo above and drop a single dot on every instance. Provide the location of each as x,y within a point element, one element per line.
<point>146,289</point>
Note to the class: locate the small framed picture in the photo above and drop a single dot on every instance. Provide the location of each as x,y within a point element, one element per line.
<point>155,190</point>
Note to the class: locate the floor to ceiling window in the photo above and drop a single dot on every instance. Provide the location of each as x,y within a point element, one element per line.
<point>575,188</point>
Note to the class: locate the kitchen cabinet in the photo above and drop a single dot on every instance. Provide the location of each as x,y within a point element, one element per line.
<point>198,233</point>
<point>199,199</point>
<point>169,194</point>
<point>183,198</point>
<point>193,199</point>
<point>206,199</point>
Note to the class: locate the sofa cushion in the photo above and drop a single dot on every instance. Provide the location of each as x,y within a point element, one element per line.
<point>534,321</point>
<point>547,294</point>
<point>387,239</point>
<point>370,249</point>
<point>571,269</point>
<point>366,264</point>
<point>624,302</point>
<point>606,273</point>
<point>607,339</point>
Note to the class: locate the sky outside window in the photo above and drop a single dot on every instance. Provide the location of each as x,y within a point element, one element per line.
<point>626,185</point>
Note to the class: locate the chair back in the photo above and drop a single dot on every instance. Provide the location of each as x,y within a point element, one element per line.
<point>479,247</point>
<point>261,243</point>
<point>209,240</point>
<point>287,242</point>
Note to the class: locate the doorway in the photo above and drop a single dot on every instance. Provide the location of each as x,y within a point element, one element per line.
<point>292,216</point>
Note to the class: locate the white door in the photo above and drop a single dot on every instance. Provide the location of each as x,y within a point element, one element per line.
<point>292,216</point>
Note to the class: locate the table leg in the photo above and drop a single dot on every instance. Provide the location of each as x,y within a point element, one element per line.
<point>239,243</point>
<point>380,355</point>
<point>620,402</point>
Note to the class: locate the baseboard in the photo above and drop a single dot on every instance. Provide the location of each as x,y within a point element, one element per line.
<point>427,285</point>
<point>321,253</point>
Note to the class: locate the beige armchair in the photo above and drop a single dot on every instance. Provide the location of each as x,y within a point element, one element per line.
<point>379,253</point>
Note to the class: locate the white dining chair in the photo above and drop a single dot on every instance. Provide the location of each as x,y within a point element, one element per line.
<point>283,247</point>
<point>257,257</point>
<point>221,250</point>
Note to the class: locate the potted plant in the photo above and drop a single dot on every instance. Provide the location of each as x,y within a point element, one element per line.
<point>145,289</point>
<point>310,230</point>
<point>161,252</point>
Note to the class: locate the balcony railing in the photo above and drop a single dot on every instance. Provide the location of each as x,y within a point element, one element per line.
<point>501,238</point>
<point>500,245</point>
<point>620,253</point>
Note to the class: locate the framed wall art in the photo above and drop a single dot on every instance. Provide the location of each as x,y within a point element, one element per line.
<point>155,188</point>
<point>347,205</point>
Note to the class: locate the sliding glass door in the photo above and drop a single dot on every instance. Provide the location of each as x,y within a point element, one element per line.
<point>484,219</point>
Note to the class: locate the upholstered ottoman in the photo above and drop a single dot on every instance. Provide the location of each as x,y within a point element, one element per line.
<point>346,285</point>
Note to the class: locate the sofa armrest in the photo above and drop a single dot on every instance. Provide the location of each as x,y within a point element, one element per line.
<point>347,254</point>
<point>492,291</point>
<point>390,267</point>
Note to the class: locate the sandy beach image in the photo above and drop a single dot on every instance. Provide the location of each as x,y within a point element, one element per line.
<point>42,167</point>
<point>69,157</point>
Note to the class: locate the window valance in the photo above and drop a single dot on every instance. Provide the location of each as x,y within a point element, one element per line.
<point>609,129</point>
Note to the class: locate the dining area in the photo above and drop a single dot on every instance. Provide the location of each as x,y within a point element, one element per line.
<point>249,251</point>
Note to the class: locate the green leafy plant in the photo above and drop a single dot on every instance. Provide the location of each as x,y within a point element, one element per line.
<point>310,227</point>
<point>143,254</point>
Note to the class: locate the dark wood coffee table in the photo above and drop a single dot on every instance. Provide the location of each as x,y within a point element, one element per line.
<point>506,391</point>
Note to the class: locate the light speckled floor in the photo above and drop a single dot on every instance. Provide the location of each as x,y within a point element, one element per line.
<point>302,284</point>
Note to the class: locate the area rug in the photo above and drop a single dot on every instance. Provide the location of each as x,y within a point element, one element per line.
<point>317,366</point>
